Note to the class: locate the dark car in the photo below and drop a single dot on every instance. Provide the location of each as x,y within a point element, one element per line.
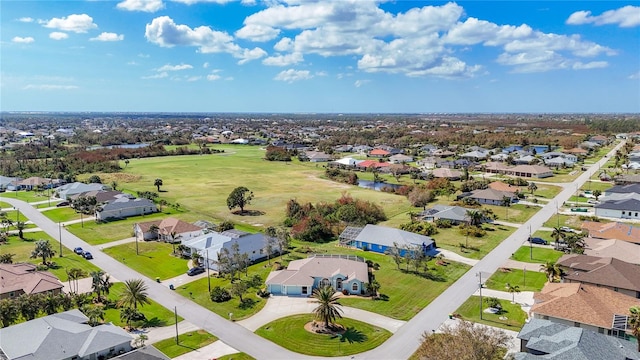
<point>195,271</point>
<point>64,203</point>
<point>537,240</point>
<point>87,255</point>
<point>78,251</point>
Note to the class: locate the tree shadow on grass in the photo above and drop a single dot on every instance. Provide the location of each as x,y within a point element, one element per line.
<point>154,322</point>
<point>249,213</point>
<point>352,335</point>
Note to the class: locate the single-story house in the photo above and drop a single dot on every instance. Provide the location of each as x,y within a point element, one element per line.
<point>499,157</point>
<point>427,163</point>
<point>500,186</point>
<point>102,196</point>
<point>147,352</point>
<point>400,159</point>
<point>610,273</point>
<point>551,155</point>
<point>599,139</point>
<point>625,179</point>
<point>618,249</point>
<point>65,191</point>
<point>124,207</point>
<point>621,209</point>
<point>547,340</point>
<point>614,230</point>
<point>450,174</point>
<point>24,278</point>
<point>366,164</point>
<point>6,181</point>
<point>378,239</point>
<point>558,162</point>
<point>530,171</point>
<point>623,189</point>
<point>302,276</point>
<point>586,306</point>
<point>166,227</point>
<point>443,153</point>
<point>576,151</point>
<point>317,156</point>
<point>455,214</point>
<point>492,197</point>
<point>63,336</point>
<point>475,155</point>
<point>495,167</point>
<point>525,160</point>
<point>379,153</point>
<point>347,161</point>
<point>36,182</point>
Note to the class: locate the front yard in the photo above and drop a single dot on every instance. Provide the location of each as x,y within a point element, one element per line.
<point>155,259</point>
<point>187,342</point>
<point>530,280</point>
<point>63,214</point>
<point>451,239</point>
<point>540,255</point>
<point>511,318</point>
<point>156,314</point>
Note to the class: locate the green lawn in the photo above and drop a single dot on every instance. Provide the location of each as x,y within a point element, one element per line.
<point>28,196</point>
<point>516,213</point>
<point>572,221</point>
<point>532,280</point>
<point>23,248</point>
<point>289,332</point>
<point>198,291</point>
<point>157,315</point>
<point>514,321</point>
<point>540,255</point>
<point>546,191</point>
<point>236,356</point>
<point>4,205</point>
<point>62,214</point>
<point>597,185</point>
<point>16,216</point>
<point>187,342</point>
<point>578,199</point>
<point>154,259</point>
<point>451,238</point>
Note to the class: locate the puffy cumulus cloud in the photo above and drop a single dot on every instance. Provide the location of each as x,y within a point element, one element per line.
<point>163,31</point>
<point>107,36</point>
<point>169,67</point>
<point>193,78</point>
<point>283,60</point>
<point>23,40</point>
<point>49,87</point>
<point>25,19</point>
<point>56,35</point>
<point>191,2</point>
<point>78,23</point>
<point>150,6</point>
<point>627,16</point>
<point>590,65</point>
<point>292,75</point>
<point>474,31</point>
<point>257,32</point>
<point>634,76</point>
<point>213,77</point>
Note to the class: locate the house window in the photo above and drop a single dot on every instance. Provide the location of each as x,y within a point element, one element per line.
<point>354,287</point>
<point>339,283</point>
<point>12,294</point>
<point>600,330</point>
<point>325,282</point>
<point>545,317</point>
<point>576,324</point>
<point>304,290</point>
<point>615,289</point>
<point>623,213</point>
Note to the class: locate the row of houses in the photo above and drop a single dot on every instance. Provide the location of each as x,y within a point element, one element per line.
<point>621,202</point>
<point>31,183</point>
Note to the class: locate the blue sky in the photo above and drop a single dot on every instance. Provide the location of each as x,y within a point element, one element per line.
<point>329,56</point>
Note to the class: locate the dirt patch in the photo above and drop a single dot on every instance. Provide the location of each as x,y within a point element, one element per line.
<point>318,328</point>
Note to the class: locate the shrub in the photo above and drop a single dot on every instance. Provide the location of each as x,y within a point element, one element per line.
<point>275,153</point>
<point>263,293</point>
<point>421,227</point>
<point>219,294</point>
<point>467,230</point>
<point>443,223</point>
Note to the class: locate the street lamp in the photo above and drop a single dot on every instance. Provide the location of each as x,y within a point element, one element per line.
<point>208,276</point>
<point>137,252</point>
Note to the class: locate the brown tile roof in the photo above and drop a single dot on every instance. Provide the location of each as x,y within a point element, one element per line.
<point>601,271</point>
<point>446,173</point>
<point>581,303</point>
<point>493,165</point>
<point>500,186</point>
<point>618,249</point>
<point>530,169</point>
<point>575,151</point>
<point>169,225</point>
<point>491,194</point>
<point>24,277</point>
<point>614,230</point>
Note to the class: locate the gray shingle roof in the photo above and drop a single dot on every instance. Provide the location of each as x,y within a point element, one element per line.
<point>627,204</point>
<point>381,235</point>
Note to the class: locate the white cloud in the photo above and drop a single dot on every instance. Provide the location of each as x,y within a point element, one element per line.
<point>321,73</point>
<point>56,35</point>
<point>292,75</point>
<point>256,32</point>
<point>78,23</point>
<point>107,36</point>
<point>144,56</point>
<point>25,19</point>
<point>627,16</point>
<point>23,40</point>
<point>49,87</point>
<point>191,2</point>
<point>283,60</point>
<point>194,78</point>
<point>141,5</point>
<point>213,77</point>
<point>163,31</point>
<point>205,65</point>
<point>359,83</point>
<point>590,65</point>
<point>174,67</point>
<point>132,63</point>
<point>634,76</point>
<point>157,76</point>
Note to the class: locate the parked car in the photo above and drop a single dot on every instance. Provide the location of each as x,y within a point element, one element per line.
<point>566,229</point>
<point>87,255</point>
<point>78,251</point>
<point>593,201</point>
<point>537,240</point>
<point>61,204</point>
<point>195,271</point>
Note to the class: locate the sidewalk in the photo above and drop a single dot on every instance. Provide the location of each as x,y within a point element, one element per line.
<point>117,242</point>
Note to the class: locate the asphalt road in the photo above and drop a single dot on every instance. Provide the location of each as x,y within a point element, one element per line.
<point>400,346</point>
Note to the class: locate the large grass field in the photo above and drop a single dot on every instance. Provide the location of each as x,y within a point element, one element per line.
<point>23,248</point>
<point>289,332</point>
<point>187,342</point>
<point>156,314</point>
<point>451,239</point>
<point>597,185</point>
<point>540,255</point>
<point>155,259</point>
<point>62,214</point>
<point>531,280</point>
<point>513,316</point>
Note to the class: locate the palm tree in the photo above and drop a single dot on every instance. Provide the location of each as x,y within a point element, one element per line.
<point>513,289</point>
<point>50,304</point>
<point>6,258</point>
<point>551,269</point>
<point>475,217</point>
<point>75,274</point>
<point>634,323</point>
<point>134,294</point>
<point>597,193</point>
<point>373,288</point>
<point>43,249</point>
<point>95,313</point>
<point>328,308</point>
<point>506,202</point>
<point>532,187</point>
<point>100,283</point>
<point>157,183</point>
<point>9,312</point>
<point>174,237</point>
<point>557,235</point>
<point>20,225</point>
<point>129,314</point>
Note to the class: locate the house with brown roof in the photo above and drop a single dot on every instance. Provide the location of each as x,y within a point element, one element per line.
<point>530,171</point>
<point>166,227</point>
<point>611,273</point>
<point>379,153</point>
<point>447,173</point>
<point>618,249</point>
<point>301,277</point>
<point>613,230</point>
<point>495,167</point>
<point>576,151</point>
<point>500,186</point>
<point>584,306</point>
<point>23,278</point>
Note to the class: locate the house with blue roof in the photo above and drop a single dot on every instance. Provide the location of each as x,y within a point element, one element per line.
<point>378,239</point>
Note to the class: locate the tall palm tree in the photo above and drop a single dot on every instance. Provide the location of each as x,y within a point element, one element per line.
<point>157,183</point>
<point>129,314</point>
<point>475,217</point>
<point>557,235</point>
<point>634,323</point>
<point>134,294</point>
<point>95,313</point>
<point>20,225</point>
<point>75,274</point>
<point>174,237</point>
<point>551,269</point>
<point>100,283</point>
<point>532,187</point>
<point>513,289</point>
<point>506,202</point>
<point>44,250</point>
<point>373,288</point>
<point>328,309</point>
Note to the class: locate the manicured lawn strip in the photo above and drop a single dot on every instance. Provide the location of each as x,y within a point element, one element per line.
<point>187,342</point>
<point>154,260</point>
<point>26,226</point>
<point>451,239</point>
<point>517,213</point>
<point>198,292</point>
<point>28,196</point>
<point>597,185</point>
<point>23,248</point>
<point>289,333</point>
<point>157,315</point>
<point>236,356</point>
<point>470,311</point>
<point>15,216</point>
<point>4,205</point>
<point>533,280</point>
<point>578,199</point>
<point>62,214</point>
<point>540,255</point>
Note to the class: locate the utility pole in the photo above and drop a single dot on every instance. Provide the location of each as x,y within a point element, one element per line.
<point>530,244</point>
<point>480,284</point>
<point>175,311</point>
<point>208,276</point>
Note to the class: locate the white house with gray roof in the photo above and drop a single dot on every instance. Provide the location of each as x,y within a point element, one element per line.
<point>455,214</point>
<point>64,191</point>
<point>124,207</point>
<point>62,336</point>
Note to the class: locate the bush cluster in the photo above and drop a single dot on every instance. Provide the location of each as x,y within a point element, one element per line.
<point>347,177</point>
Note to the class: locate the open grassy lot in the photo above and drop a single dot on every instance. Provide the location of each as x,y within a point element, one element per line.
<point>402,301</point>
<point>237,356</point>
<point>546,191</point>
<point>188,180</point>
<point>187,342</point>
<point>516,213</point>
<point>289,333</point>
<point>513,313</point>
<point>157,315</point>
<point>597,185</point>
<point>23,248</point>
<point>562,175</point>
<point>28,196</point>
<point>4,205</point>
<point>572,221</point>
<point>62,214</point>
<point>451,239</point>
<point>531,280</point>
<point>540,255</point>
<point>16,216</point>
<point>155,259</point>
